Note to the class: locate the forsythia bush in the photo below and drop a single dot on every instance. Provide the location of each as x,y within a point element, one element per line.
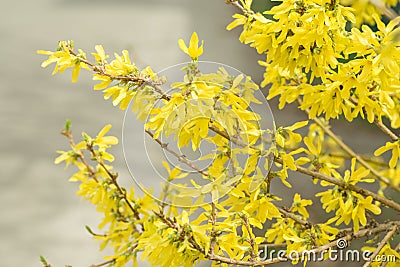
<point>320,54</point>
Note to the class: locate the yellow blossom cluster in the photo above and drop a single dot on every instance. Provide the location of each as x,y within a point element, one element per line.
<point>311,57</point>
<point>365,10</point>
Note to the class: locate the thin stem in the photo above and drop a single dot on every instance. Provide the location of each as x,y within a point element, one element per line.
<point>381,244</point>
<point>372,161</point>
<point>236,4</point>
<point>342,184</point>
<point>181,158</point>
<point>294,217</point>
<point>213,235</point>
<point>172,224</point>
<point>377,121</point>
<point>386,130</point>
<point>351,236</point>
<point>131,78</point>
<point>103,263</point>
<point>92,172</point>
<point>113,260</point>
<point>252,242</point>
<point>397,248</point>
<point>113,177</point>
<point>349,151</point>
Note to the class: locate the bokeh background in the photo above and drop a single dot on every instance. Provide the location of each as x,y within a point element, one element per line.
<point>39,212</point>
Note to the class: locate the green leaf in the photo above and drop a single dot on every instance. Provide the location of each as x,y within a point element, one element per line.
<point>89,230</point>
<point>67,124</point>
<point>43,261</point>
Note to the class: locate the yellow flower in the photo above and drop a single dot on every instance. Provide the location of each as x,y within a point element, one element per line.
<point>194,51</point>
<point>358,213</point>
<point>300,204</point>
<point>105,141</point>
<point>395,147</point>
<point>356,176</point>
<point>100,56</point>
<point>175,173</point>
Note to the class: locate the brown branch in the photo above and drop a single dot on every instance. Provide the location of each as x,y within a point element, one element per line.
<point>242,262</point>
<point>372,161</point>
<point>171,224</point>
<point>113,260</point>
<point>236,4</point>
<point>103,263</point>
<point>92,172</point>
<point>251,240</point>
<point>349,151</point>
<point>213,234</point>
<point>342,184</point>
<point>126,78</point>
<point>377,121</point>
<point>113,177</point>
<point>359,234</point>
<point>294,217</point>
<point>181,158</point>
<point>397,248</point>
<point>351,236</point>
<point>211,256</point>
<point>381,244</point>
<point>386,130</point>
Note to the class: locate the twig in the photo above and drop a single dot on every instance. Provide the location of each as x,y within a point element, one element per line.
<point>294,217</point>
<point>131,78</point>
<point>92,173</point>
<point>349,151</point>
<point>251,240</point>
<point>377,121</point>
<point>213,234</point>
<point>359,234</point>
<point>342,184</point>
<point>372,161</point>
<point>351,236</point>
<point>103,263</point>
<point>397,248</point>
<point>171,224</point>
<point>386,130</point>
<point>181,158</point>
<point>113,177</point>
<point>236,4</point>
<point>381,244</point>
<point>113,260</point>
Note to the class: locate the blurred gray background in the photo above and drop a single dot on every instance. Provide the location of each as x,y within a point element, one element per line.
<point>40,214</point>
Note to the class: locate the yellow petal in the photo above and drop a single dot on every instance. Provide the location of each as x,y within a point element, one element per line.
<point>194,41</point>
<point>104,131</point>
<point>75,72</point>
<point>183,46</point>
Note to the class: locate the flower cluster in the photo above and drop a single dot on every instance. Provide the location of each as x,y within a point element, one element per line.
<point>312,56</point>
